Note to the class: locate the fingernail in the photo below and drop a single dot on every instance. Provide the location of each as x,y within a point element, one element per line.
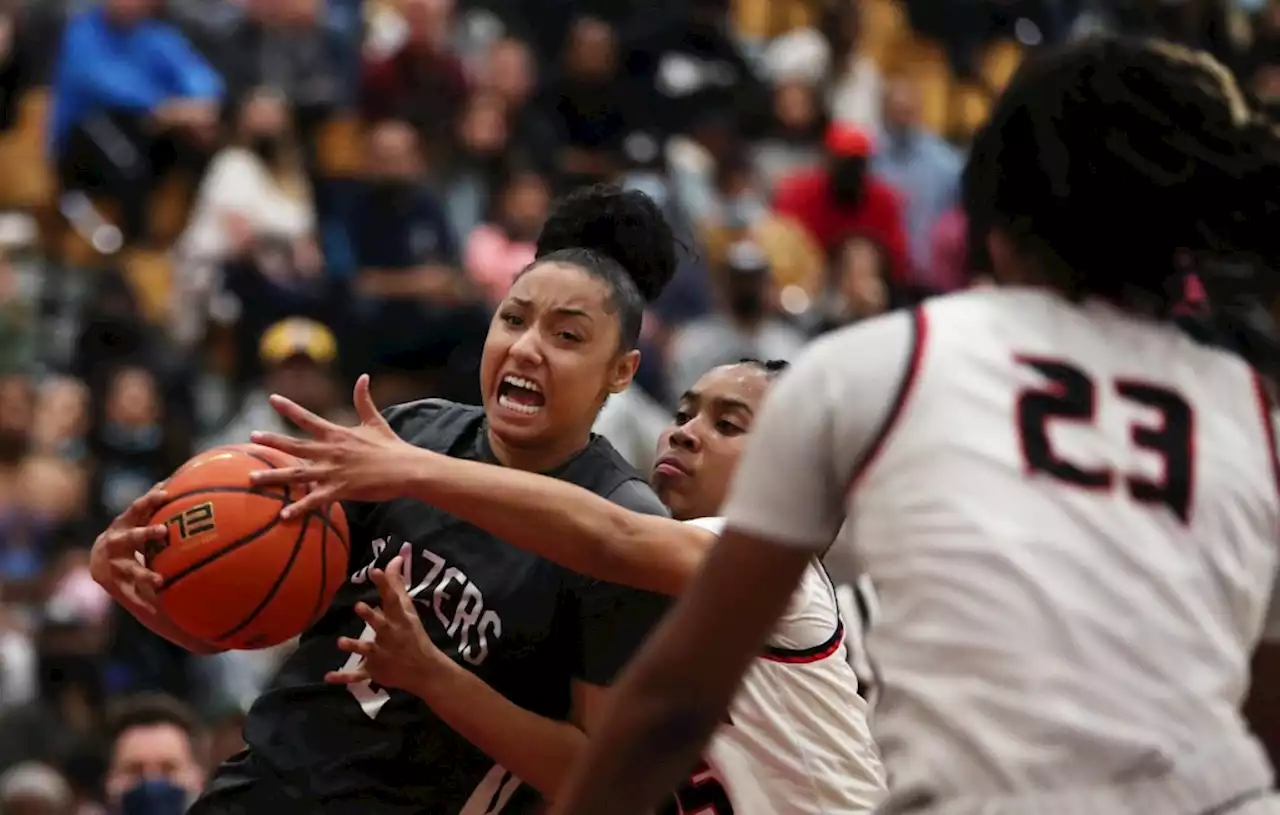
<point>256,435</point>
<point>159,529</point>
<point>286,513</point>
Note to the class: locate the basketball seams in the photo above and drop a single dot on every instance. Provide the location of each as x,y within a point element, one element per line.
<point>230,547</point>
<point>319,607</point>
<point>283,590</point>
<point>275,587</point>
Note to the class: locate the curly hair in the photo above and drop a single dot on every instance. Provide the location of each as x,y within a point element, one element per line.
<point>619,236</point>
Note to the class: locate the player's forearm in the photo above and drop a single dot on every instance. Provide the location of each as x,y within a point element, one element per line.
<point>163,627</point>
<point>540,751</point>
<point>564,523</point>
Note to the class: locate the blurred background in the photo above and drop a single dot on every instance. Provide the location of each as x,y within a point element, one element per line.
<point>204,201</point>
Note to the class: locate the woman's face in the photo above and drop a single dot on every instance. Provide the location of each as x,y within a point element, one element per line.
<point>263,117</point>
<point>552,356</point>
<point>525,205</point>
<point>862,284</point>
<point>795,106</point>
<point>483,129</point>
<point>699,451</point>
<point>591,52</point>
<point>133,399</point>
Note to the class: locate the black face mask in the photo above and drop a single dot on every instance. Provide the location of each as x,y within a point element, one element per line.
<point>393,192</point>
<point>59,671</point>
<point>746,300</point>
<point>848,181</point>
<point>268,148</point>
<point>13,446</point>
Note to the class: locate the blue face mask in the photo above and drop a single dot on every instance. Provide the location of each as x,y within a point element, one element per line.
<point>156,796</point>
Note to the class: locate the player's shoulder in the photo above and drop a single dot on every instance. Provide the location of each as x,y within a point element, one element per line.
<point>601,469</point>
<point>846,352</point>
<point>435,424</point>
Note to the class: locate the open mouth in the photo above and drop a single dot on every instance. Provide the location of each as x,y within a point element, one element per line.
<point>521,395</point>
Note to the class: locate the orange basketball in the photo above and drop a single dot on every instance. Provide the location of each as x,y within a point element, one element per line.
<point>235,575</point>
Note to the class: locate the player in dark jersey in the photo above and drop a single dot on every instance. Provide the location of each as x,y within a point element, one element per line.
<point>779,722</point>
<point>547,639</point>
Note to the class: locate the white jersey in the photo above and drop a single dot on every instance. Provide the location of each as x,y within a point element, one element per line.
<point>1070,516</point>
<point>797,740</point>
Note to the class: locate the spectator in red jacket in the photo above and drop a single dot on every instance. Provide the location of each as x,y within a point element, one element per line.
<point>843,198</point>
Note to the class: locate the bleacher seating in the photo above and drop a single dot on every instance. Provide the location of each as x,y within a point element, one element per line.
<point>951,108</point>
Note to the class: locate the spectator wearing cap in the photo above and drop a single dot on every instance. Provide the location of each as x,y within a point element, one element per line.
<point>844,198</point>
<point>32,788</point>
<point>299,358</point>
<point>744,324</point>
<point>920,165</point>
<point>157,755</point>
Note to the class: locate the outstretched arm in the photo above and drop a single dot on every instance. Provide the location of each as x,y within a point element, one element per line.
<point>556,520</point>
<point>565,523</point>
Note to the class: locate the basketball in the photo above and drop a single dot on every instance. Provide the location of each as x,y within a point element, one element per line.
<point>235,575</point>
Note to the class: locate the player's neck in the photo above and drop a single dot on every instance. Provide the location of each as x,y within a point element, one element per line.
<point>539,459</point>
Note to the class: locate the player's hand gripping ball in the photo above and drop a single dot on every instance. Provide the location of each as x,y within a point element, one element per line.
<point>235,574</point>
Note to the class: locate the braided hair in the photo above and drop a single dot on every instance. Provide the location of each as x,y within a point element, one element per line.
<point>1119,166</point>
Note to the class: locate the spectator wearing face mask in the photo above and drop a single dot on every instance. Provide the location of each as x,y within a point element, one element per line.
<point>63,720</point>
<point>743,327</point>
<point>415,316</point>
<point>742,213</point>
<point>156,757</point>
<point>254,198</point>
<point>131,438</point>
<point>591,103</point>
<point>844,198</point>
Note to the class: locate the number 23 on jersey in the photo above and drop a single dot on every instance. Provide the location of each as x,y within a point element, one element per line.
<point>1069,396</point>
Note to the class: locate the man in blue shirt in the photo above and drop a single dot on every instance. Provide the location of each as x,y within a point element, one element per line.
<point>415,312</point>
<point>131,99</point>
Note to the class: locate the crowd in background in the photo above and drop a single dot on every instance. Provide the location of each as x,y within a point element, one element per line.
<point>206,201</point>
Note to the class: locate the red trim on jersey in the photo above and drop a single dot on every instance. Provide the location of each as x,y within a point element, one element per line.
<point>797,656</point>
<point>1266,406</point>
<point>920,326</point>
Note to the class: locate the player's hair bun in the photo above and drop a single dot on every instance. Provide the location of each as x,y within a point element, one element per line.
<point>626,225</point>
